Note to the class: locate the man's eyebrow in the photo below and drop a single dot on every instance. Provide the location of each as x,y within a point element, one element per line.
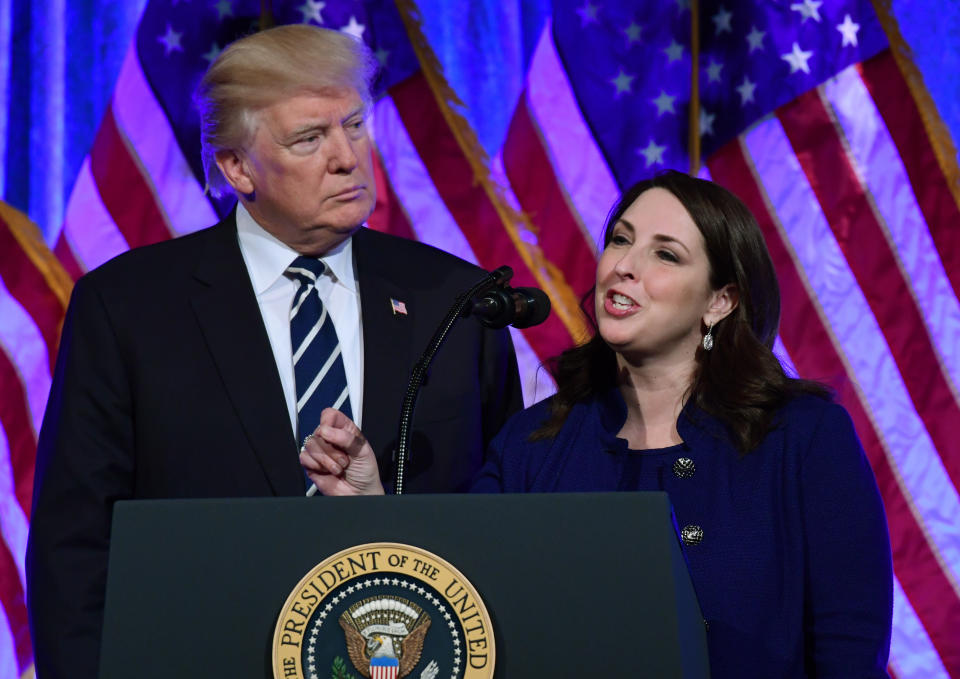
<point>321,126</point>
<point>358,111</point>
<point>307,128</point>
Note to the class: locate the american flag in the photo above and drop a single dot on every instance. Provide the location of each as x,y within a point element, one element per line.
<point>809,110</point>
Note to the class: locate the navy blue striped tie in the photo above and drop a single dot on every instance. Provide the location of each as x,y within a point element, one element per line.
<point>317,364</point>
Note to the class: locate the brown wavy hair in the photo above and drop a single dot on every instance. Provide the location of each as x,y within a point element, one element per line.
<point>740,381</point>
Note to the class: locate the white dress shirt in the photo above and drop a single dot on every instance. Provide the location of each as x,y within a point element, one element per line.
<point>267,258</point>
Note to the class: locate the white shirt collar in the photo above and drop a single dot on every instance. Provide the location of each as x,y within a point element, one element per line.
<point>267,257</point>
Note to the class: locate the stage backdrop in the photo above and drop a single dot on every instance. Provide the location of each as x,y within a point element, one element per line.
<point>504,132</point>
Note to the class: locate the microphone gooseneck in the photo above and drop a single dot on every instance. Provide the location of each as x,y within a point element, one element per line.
<point>496,278</point>
<point>496,305</point>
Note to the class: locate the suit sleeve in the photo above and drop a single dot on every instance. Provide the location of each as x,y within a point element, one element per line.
<point>84,464</point>
<point>848,575</point>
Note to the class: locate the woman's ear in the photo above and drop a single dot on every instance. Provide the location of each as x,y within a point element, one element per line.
<point>722,304</point>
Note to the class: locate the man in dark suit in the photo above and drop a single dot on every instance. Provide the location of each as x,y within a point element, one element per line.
<point>175,377</point>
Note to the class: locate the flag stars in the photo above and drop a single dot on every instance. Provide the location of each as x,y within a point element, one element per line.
<point>664,103</point>
<point>755,39</point>
<point>382,55</point>
<point>682,5</point>
<point>746,90</point>
<point>633,33</point>
<point>721,20</point>
<point>808,9</point>
<point>171,40</point>
<point>849,31</point>
<point>354,28</point>
<point>224,8</point>
<point>588,13</point>
<point>713,71</point>
<point>310,11</point>
<point>706,122</point>
<point>653,153</point>
<point>623,82</point>
<point>212,53</point>
<point>674,51</point>
<point>798,58</point>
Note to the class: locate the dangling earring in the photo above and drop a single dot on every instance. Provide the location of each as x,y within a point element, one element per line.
<point>708,339</point>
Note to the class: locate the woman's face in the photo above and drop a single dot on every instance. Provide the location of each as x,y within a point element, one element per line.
<point>653,281</point>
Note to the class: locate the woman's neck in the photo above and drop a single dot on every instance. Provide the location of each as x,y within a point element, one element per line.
<point>654,396</point>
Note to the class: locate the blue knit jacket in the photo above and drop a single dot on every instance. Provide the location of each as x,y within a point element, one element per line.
<point>787,546</point>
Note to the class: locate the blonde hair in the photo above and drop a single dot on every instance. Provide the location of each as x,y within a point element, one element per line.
<point>261,69</point>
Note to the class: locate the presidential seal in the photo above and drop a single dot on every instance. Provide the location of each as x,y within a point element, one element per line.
<point>383,611</point>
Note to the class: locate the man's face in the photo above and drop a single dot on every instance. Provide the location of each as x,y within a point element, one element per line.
<point>307,175</point>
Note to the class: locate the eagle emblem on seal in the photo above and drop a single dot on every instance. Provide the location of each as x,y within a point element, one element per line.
<point>384,636</point>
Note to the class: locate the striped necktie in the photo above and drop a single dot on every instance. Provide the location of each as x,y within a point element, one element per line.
<point>317,364</point>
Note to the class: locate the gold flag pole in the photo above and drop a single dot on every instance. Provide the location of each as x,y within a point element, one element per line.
<point>266,15</point>
<point>694,143</point>
<point>937,131</point>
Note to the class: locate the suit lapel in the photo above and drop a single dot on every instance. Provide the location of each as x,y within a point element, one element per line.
<point>387,343</point>
<point>228,314</point>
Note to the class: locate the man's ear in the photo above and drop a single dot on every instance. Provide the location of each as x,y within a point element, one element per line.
<point>724,301</point>
<point>234,169</point>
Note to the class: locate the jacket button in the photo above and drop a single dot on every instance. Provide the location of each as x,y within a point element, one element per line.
<point>684,468</point>
<point>691,534</point>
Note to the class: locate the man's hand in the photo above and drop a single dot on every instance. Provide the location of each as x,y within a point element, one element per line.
<point>338,459</point>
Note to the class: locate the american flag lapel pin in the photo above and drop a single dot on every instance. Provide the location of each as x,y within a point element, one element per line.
<point>398,307</point>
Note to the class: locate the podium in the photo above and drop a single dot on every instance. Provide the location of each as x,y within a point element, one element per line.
<point>587,584</point>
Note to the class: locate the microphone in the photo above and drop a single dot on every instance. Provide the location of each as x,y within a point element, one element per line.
<point>497,306</point>
<point>519,307</point>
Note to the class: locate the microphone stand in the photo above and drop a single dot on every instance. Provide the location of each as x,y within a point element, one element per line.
<point>496,278</point>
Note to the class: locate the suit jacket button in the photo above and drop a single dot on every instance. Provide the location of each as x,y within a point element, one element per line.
<point>684,468</point>
<point>691,534</point>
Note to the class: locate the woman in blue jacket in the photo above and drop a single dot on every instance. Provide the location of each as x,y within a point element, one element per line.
<point>679,390</point>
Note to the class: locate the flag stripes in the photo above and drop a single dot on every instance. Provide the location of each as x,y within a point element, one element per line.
<point>154,147</point>
<point>15,419</point>
<point>89,236</point>
<point>42,293</point>
<point>64,253</point>
<point>851,215</point>
<point>816,352</point>
<point>430,220</point>
<point>855,206</point>
<point>411,203</point>
<point>388,215</point>
<point>859,336</point>
<point>33,295</point>
<point>13,524</point>
<point>22,339</point>
<point>125,191</point>
<point>937,201</point>
<point>468,203</point>
<point>915,656</point>
<point>532,179</point>
<point>578,165</point>
<point>14,606</point>
<point>876,161</point>
<point>868,278</point>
